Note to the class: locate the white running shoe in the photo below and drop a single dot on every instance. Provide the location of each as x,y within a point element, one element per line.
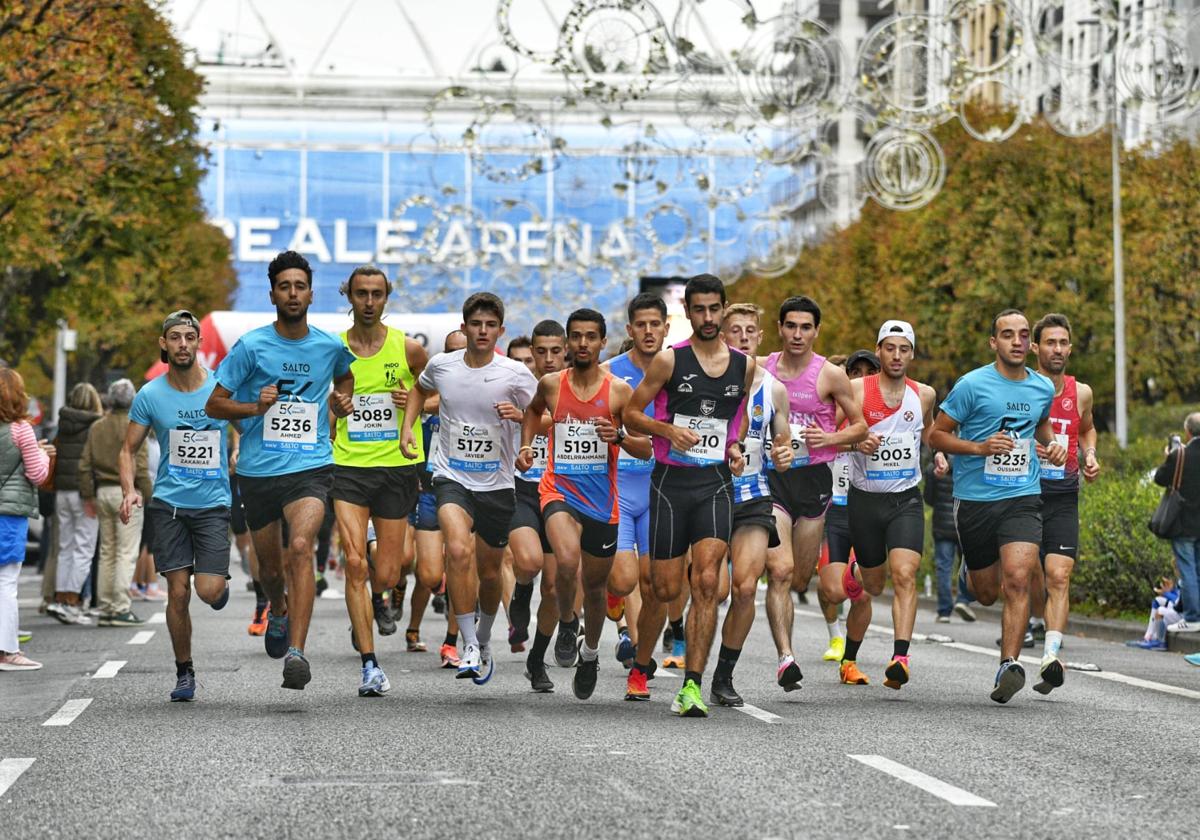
<point>469,662</point>
<point>1183,627</point>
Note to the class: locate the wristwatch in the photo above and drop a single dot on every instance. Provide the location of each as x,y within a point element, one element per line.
<point>621,436</point>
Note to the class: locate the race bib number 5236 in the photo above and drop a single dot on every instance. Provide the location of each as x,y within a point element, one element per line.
<point>290,427</point>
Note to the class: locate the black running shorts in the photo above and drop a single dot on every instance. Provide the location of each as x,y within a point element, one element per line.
<point>983,527</point>
<point>528,513</point>
<point>802,492</point>
<point>757,513</point>
<point>237,513</point>
<point>187,538</point>
<point>880,522</point>
<point>491,511</point>
<point>264,498</point>
<point>688,504</point>
<point>389,492</point>
<point>1060,524</point>
<point>597,538</point>
<point>837,533</point>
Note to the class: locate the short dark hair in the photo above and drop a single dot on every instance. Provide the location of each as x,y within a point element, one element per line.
<point>703,284</point>
<point>549,328</point>
<point>517,343</point>
<point>800,303</point>
<point>347,288</point>
<point>1005,314</point>
<point>647,300</point>
<point>285,260</point>
<point>588,316</point>
<point>1053,319</point>
<point>483,301</point>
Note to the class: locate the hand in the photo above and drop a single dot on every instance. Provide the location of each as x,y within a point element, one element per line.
<point>605,430</point>
<point>408,444</point>
<point>997,444</point>
<point>1056,454</point>
<point>815,438</point>
<point>1091,467</point>
<point>736,458</point>
<point>869,446</point>
<point>267,397</point>
<point>524,459</point>
<point>941,465</point>
<point>47,447</point>
<point>682,439</point>
<point>342,404</point>
<point>508,411</point>
<point>400,398</point>
<point>127,505</point>
<point>89,508</point>
<point>233,459</point>
<point>781,451</point>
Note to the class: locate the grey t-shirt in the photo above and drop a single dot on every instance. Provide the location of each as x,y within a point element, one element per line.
<point>474,447</point>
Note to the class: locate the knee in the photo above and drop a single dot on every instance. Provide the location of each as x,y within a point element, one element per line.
<point>459,551</point>
<point>428,579</point>
<point>744,591</point>
<point>705,583</point>
<point>179,593</point>
<point>301,547</point>
<point>873,585</point>
<point>665,591</point>
<point>902,578</point>
<point>1058,579</point>
<point>780,573</point>
<point>356,567</point>
<point>621,583</point>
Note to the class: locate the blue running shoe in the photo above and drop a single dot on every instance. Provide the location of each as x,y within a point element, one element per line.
<point>374,682</point>
<point>487,666</point>
<point>1192,659</point>
<point>220,603</point>
<point>296,673</point>
<point>185,689</point>
<point>276,638</point>
<point>1009,680</point>
<point>626,650</point>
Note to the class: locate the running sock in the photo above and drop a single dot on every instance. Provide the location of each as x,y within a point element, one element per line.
<point>644,669</point>
<point>259,593</point>
<point>522,592</point>
<point>677,629</point>
<point>588,654</point>
<point>900,647</point>
<point>726,660</point>
<point>835,629</point>
<point>852,646</point>
<point>182,668</point>
<point>451,639</point>
<point>466,626</point>
<point>484,630</point>
<point>541,642</point>
<point>693,676</point>
<point>369,659</point>
<point>1053,642</point>
<point>377,600</point>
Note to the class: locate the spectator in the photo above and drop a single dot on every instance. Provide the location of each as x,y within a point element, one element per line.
<point>1187,545</point>
<point>1163,612</point>
<point>23,465</point>
<point>939,495</point>
<point>77,531</point>
<point>100,487</point>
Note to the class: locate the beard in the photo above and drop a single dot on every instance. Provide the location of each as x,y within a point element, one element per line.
<point>186,365</point>
<point>283,315</point>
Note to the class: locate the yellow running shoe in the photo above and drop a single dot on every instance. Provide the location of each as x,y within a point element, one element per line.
<point>850,675</point>
<point>837,647</point>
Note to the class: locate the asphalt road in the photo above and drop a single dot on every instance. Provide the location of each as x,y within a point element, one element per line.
<point>1108,755</point>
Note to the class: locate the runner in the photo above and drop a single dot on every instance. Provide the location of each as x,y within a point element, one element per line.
<point>527,538</point>
<point>1071,419</point>
<point>990,420</point>
<point>374,483</point>
<point>190,504</point>
<point>630,575</point>
<point>699,389</point>
<point>481,394</point>
<point>767,435</point>
<point>521,349</point>
<point>579,486</point>
<point>887,514</point>
<point>243,543</point>
<point>802,494</point>
<point>276,380</point>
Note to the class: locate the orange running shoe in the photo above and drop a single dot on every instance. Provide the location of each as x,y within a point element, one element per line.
<point>850,675</point>
<point>896,674</point>
<point>258,624</point>
<point>449,654</point>
<point>616,607</point>
<point>635,686</point>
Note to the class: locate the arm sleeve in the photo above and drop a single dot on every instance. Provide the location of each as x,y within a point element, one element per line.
<point>87,487</point>
<point>235,368</point>
<point>37,462</point>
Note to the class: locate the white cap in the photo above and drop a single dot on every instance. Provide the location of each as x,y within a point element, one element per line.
<point>897,328</point>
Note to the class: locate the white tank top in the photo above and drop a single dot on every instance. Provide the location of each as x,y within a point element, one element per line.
<point>896,465</point>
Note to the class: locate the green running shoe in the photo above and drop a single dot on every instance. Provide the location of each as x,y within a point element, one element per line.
<point>688,702</point>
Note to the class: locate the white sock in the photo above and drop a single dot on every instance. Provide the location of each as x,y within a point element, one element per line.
<point>835,630</point>
<point>484,629</point>
<point>1053,642</point>
<point>1037,622</point>
<point>466,626</point>
<point>588,654</point>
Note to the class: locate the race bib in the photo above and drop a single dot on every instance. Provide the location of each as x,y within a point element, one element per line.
<point>1009,468</point>
<point>841,479</point>
<point>195,454</point>
<point>374,418</point>
<point>754,457</point>
<point>628,464</point>
<point>540,445</point>
<point>1051,472</point>
<point>799,447</point>
<point>290,427</point>
<point>474,447</point>
<point>710,449</point>
<point>435,446</point>
<point>578,449</point>
<point>898,457</point>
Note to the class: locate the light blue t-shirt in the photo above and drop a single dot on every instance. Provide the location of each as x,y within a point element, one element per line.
<point>193,469</point>
<point>294,434</point>
<point>983,402</point>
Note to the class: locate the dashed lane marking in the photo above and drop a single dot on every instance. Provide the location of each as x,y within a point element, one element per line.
<point>11,770</point>
<point>109,669</point>
<point>141,637</point>
<point>759,714</point>
<point>942,790</point>
<point>157,618</point>
<point>69,711</point>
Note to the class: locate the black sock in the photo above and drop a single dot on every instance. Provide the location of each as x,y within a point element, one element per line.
<point>523,592</point>
<point>900,647</point>
<point>182,668</point>
<point>645,669</point>
<point>852,646</point>
<point>677,629</point>
<point>258,591</point>
<point>573,624</point>
<point>369,659</point>
<point>537,651</point>
<point>693,676</point>
<point>451,639</point>
<point>726,660</point>
<point>377,600</point>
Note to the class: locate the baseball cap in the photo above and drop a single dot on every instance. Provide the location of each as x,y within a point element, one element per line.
<point>863,356</point>
<point>175,319</point>
<point>900,328</point>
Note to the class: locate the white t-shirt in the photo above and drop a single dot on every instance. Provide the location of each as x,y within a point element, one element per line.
<point>476,448</point>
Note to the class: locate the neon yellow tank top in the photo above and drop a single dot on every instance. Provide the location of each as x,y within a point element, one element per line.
<point>370,436</point>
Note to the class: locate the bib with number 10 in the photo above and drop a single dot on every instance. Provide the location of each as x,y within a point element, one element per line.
<point>290,427</point>
<point>710,449</point>
<point>474,447</point>
<point>195,454</point>
<point>898,456</point>
<point>578,449</point>
<point>373,418</point>
<point>1012,467</point>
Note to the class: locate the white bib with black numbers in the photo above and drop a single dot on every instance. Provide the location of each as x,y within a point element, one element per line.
<point>472,447</point>
<point>195,454</point>
<point>1010,467</point>
<point>896,465</point>
<point>374,418</point>
<point>710,449</point>
<point>290,426</point>
<point>578,449</point>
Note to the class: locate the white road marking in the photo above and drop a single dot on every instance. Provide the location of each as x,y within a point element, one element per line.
<point>1112,676</point>
<point>141,637</point>
<point>11,770</point>
<point>758,714</point>
<point>668,672</point>
<point>942,790</point>
<point>109,669</point>
<point>157,618</point>
<point>69,711</point>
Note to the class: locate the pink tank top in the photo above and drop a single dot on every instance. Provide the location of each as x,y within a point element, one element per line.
<point>805,407</point>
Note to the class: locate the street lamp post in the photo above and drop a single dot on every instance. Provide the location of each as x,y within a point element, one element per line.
<point>1118,274</point>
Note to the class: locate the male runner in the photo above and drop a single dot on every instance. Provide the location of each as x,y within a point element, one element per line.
<point>1071,419</point>
<point>481,394</point>
<point>990,420</point>
<point>630,575</point>
<point>887,513</point>
<point>768,435</point>
<point>373,481</point>
<point>190,505</point>
<point>802,494</point>
<point>521,350</point>
<point>579,486</point>
<point>699,389</point>
<point>276,380</point>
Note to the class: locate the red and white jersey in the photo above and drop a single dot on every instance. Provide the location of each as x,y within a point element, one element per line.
<point>896,465</point>
<point>1064,419</point>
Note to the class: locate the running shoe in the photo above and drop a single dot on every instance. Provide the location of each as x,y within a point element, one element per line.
<point>125,619</point>
<point>1051,673</point>
<point>185,688</point>
<point>275,640</point>
<point>1149,644</point>
<point>449,656</point>
<point>296,673</point>
<point>439,604</point>
<point>59,611</point>
<point>1009,680</point>
<point>896,673</point>
<point>848,674</point>
<point>836,649</point>
<point>1026,642</point>
<point>626,649</point>
<point>1192,659</point>
<point>850,584</point>
<point>616,607</point>
<point>1038,630</point>
<point>24,636</point>
<point>374,682</point>
<point>675,659</point>
<point>586,674</point>
<point>788,675</point>
<point>539,680</point>
<point>385,618</point>
<point>723,693</point>
<point>468,663</point>
<point>487,666</point>
<point>943,619</point>
<point>322,584</point>
<point>688,702</point>
<point>258,622</point>
<point>413,643</point>
<point>566,648</point>
<point>516,641</point>
<point>635,686</point>
<point>17,662</point>
<point>518,616</point>
<point>964,611</point>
